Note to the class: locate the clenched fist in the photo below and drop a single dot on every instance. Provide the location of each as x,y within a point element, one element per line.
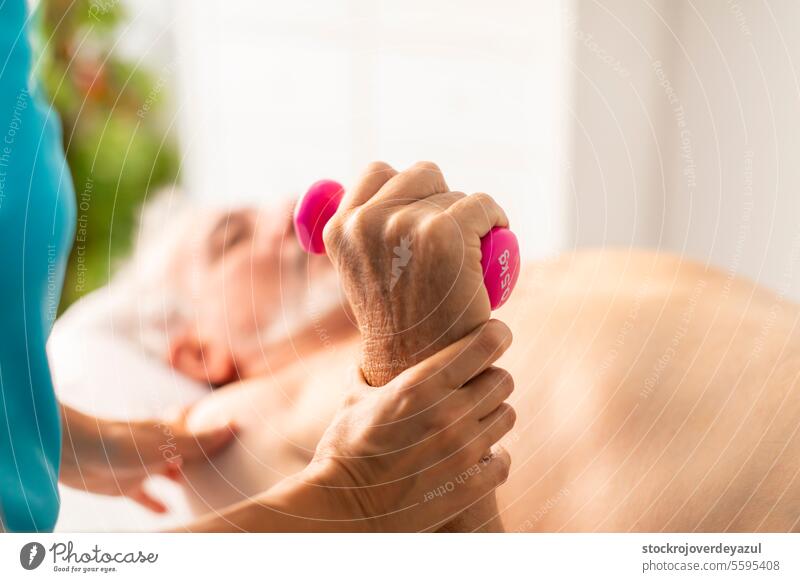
<point>408,253</point>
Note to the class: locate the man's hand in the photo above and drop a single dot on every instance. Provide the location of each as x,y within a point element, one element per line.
<point>408,253</point>
<point>116,458</point>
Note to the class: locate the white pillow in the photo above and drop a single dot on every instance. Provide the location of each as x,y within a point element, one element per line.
<point>97,370</point>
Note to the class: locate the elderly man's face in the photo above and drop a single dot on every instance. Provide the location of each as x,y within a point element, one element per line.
<point>246,278</point>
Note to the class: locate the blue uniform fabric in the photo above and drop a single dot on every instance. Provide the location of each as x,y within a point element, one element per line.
<point>37,222</point>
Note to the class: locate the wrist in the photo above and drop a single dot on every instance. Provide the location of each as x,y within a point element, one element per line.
<point>80,437</point>
<point>386,355</point>
<point>383,358</point>
<point>312,501</point>
<point>323,486</point>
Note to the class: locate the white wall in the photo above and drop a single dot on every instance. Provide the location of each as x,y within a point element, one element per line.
<point>275,95</point>
<point>698,155</point>
<point>680,118</point>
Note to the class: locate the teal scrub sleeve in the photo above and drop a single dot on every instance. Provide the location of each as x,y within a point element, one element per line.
<point>37,222</point>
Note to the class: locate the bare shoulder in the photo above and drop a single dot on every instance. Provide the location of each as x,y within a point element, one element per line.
<point>622,261</point>
<point>239,401</point>
<point>642,271</point>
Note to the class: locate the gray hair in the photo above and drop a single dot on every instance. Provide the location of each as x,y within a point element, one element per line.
<point>148,306</point>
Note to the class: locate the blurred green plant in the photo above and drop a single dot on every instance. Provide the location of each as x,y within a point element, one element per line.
<point>117,146</point>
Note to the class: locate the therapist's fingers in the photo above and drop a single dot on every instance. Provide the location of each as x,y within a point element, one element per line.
<point>461,361</point>
<point>140,496</point>
<point>495,426</point>
<point>495,468</point>
<point>173,472</point>
<point>484,393</point>
<point>374,177</point>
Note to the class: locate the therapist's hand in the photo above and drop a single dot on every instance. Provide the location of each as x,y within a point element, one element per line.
<point>116,458</point>
<point>412,454</point>
<point>407,456</point>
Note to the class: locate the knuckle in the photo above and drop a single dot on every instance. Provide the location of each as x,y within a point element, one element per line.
<point>494,336</point>
<point>444,225</point>
<point>411,384</point>
<point>405,401</point>
<point>502,469</point>
<point>363,432</point>
<point>438,234</point>
<point>359,225</point>
<point>439,238</point>
<point>397,224</point>
<point>495,468</point>
<point>354,222</point>
<point>502,331</point>
<point>331,233</point>
<point>499,426</point>
<point>499,377</point>
<point>499,384</point>
<point>483,199</point>
<point>411,380</point>
<point>505,381</point>
<point>427,167</point>
<point>447,416</point>
<point>377,167</point>
<point>442,203</point>
<point>487,343</point>
<point>352,398</point>
<point>463,455</point>
<point>428,176</point>
<point>508,416</point>
<point>441,383</point>
<point>408,377</point>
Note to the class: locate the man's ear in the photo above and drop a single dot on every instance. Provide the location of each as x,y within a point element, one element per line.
<point>201,361</point>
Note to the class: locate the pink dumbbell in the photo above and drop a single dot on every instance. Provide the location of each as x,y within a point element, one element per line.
<point>499,248</point>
